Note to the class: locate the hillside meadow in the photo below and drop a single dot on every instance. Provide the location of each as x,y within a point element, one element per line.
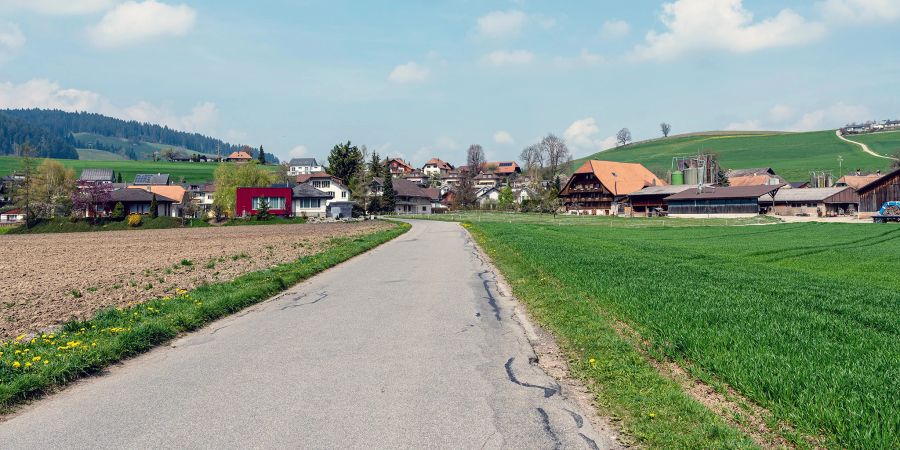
<point>192,172</point>
<point>799,319</point>
<point>886,143</point>
<point>792,155</point>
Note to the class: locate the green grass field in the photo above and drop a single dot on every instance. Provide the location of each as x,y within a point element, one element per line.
<point>799,318</point>
<point>86,154</point>
<point>887,143</point>
<point>64,225</point>
<point>792,155</point>
<point>192,172</point>
<point>144,150</point>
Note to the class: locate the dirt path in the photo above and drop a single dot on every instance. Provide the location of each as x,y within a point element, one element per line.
<point>864,147</point>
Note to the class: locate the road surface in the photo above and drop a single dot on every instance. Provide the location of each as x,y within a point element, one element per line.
<point>407,346</point>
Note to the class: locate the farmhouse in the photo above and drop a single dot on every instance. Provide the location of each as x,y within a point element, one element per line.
<point>876,193</point>
<point>741,201</point>
<point>410,197</point>
<point>304,166</point>
<point>13,216</point>
<point>239,156</point>
<point>651,200</point>
<point>816,202</point>
<point>858,180</point>
<point>96,176</point>
<point>597,187</point>
<point>249,199</point>
<point>436,167</point>
<point>138,201</point>
<point>146,179</point>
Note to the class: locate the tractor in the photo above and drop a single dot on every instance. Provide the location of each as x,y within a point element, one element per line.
<point>890,212</point>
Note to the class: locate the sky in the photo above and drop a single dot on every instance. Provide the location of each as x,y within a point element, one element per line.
<point>416,79</point>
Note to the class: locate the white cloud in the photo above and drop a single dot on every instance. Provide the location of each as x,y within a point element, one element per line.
<point>614,29</point>
<point>697,25</point>
<point>502,24</point>
<point>747,125</point>
<point>781,113</point>
<point>860,11</point>
<point>585,58</point>
<point>11,38</point>
<point>833,116</point>
<point>299,151</point>
<point>61,7</point>
<point>410,72</point>
<point>50,95</point>
<point>446,143</point>
<point>505,57</point>
<point>584,135</point>
<point>132,22</point>
<point>504,138</point>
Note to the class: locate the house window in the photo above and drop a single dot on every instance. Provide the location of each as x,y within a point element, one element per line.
<point>310,203</point>
<point>273,202</point>
<point>424,208</point>
<point>321,184</point>
<point>344,194</point>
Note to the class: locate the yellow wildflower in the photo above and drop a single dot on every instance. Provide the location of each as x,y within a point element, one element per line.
<point>592,361</point>
<point>46,362</point>
<point>20,337</point>
<point>18,352</point>
<point>27,365</point>
<point>36,358</point>
<point>16,364</point>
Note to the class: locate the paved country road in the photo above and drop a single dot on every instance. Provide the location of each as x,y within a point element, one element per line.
<point>407,346</point>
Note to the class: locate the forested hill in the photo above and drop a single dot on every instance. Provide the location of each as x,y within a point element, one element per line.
<point>63,124</point>
<point>15,132</point>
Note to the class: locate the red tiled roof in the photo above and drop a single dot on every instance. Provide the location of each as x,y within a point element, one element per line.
<point>239,155</point>
<point>621,178</point>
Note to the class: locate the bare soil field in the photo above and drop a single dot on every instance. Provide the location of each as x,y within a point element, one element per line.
<point>48,279</point>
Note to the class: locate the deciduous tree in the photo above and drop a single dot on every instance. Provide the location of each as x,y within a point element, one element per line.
<point>665,128</point>
<point>623,137</point>
<point>53,185</point>
<point>556,155</point>
<point>231,176</point>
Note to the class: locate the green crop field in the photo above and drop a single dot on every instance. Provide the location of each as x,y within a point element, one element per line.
<point>144,150</point>
<point>87,154</point>
<point>886,143</point>
<point>192,172</point>
<point>801,319</point>
<point>792,155</point>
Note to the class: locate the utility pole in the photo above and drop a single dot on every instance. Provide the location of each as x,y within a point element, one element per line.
<point>841,166</point>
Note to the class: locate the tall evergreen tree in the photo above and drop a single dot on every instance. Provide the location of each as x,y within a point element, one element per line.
<point>345,162</point>
<point>375,166</point>
<point>119,177</point>
<point>262,155</point>
<point>154,208</point>
<point>389,196</point>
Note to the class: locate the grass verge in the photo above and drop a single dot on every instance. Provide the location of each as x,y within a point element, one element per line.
<point>63,225</point>
<point>30,366</point>
<point>652,409</point>
<point>272,221</point>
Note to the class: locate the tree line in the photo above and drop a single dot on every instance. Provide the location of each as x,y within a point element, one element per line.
<point>15,133</point>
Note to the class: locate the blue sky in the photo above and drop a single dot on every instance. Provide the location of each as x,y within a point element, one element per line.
<point>421,79</point>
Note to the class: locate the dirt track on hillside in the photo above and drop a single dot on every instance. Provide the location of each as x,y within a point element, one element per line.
<point>47,279</point>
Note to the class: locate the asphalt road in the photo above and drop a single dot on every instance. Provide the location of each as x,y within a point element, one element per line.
<point>408,346</point>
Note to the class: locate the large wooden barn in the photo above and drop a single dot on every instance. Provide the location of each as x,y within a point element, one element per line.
<point>740,201</point>
<point>600,187</point>
<point>876,193</point>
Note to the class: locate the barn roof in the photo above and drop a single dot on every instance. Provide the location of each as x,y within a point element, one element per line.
<point>878,181</point>
<point>137,195</point>
<point>304,162</point>
<point>661,190</point>
<point>709,193</point>
<point>96,175</point>
<point>858,181</point>
<point>808,195</point>
<point>150,178</point>
<point>620,178</point>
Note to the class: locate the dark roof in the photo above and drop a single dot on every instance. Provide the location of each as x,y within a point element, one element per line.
<point>809,195</point>
<point>96,175</point>
<point>405,188</point>
<point>208,187</point>
<point>661,190</point>
<point>151,178</point>
<point>876,183</point>
<point>305,190</point>
<point>137,195</point>
<point>433,193</point>
<point>303,162</point>
<point>725,192</point>
<point>799,184</point>
<point>750,172</point>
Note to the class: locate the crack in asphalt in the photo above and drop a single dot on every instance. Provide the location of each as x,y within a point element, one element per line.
<point>548,391</point>
<point>590,442</point>
<point>295,304</point>
<point>492,301</point>
<point>548,429</point>
<point>579,421</point>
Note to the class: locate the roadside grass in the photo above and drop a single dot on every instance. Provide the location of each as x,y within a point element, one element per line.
<point>271,221</point>
<point>573,220</point>
<point>7,230</point>
<point>32,365</point>
<point>64,225</point>
<point>799,319</point>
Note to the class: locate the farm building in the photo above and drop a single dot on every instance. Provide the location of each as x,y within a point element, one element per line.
<point>876,193</point>
<point>598,187</point>
<point>147,179</point>
<point>754,177</point>
<point>858,180</point>
<point>503,169</point>
<point>249,199</point>
<point>239,156</point>
<point>651,199</point>
<point>94,176</point>
<point>741,201</point>
<point>816,202</point>
<point>138,201</point>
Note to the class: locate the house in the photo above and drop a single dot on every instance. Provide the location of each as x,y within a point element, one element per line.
<point>598,187</point>
<point>146,179</point>
<point>203,197</point>
<point>503,169</point>
<point>417,176</point>
<point>487,180</point>
<point>437,167</point>
<point>754,177</point>
<point>304,166</point>
<point>398,166</point>
<point>522,195</point>
<point>239,156</point>
<point>333,186</point>
<point>410,197</point>
<point>726,202</point>
<point>858,180</point>
<point>873,195</point>
<point>95,176</point>
<point>651,200</point>
<point>177,193</point>
<point>309,201</point>
<point>249,199</point>
<point>13,216</point>
<point>488,197</point>
<point>138,201</point>
<point>816,202</point>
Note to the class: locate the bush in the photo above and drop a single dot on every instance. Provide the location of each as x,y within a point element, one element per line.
<point>118,212</point>
<point>135,220</point>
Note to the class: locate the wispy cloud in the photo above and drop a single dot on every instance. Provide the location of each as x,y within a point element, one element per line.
<point>132,22</point>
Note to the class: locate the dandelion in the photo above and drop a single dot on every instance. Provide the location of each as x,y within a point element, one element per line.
<point>592,361</point>
<point>46,362</point>
<point>651,415</point>
<point>36,359</point>
<point>20,337</point>
<point>18,352</point>
<point>27,365</point>
<point>16,364</point>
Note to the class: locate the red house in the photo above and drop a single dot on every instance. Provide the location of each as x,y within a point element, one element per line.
<point>249,199</point>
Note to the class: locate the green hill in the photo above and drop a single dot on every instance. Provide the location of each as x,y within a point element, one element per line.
<point>192,172</point>
<point>886,143</point>
<point>142,150</point>
<point>87,154</point>
<point>792,155</point>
